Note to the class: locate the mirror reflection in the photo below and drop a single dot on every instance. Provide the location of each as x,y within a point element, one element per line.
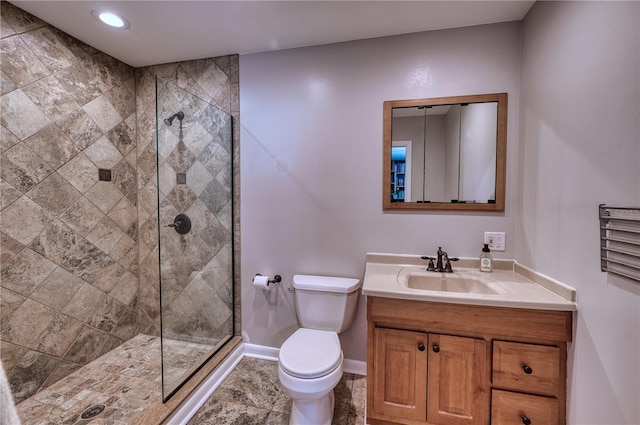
<point>445,153</point>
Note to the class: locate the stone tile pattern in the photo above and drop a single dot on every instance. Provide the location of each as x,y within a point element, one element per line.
<point>197,283</point>
<point>127,380</point>
<point>72,247</point>
<point>253,395</point>
<point>69,263</point>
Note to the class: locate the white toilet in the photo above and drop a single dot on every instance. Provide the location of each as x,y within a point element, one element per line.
<point>310,360</point>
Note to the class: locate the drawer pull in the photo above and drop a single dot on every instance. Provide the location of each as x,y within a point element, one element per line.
<point>421,346</point>
<point>527,370</point>
<point>525,420</point>
<point>436,349</point>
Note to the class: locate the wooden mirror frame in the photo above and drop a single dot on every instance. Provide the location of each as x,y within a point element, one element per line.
<point>501,154</point>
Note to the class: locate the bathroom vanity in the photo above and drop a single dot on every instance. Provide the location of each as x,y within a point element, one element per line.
<point>476,350</point>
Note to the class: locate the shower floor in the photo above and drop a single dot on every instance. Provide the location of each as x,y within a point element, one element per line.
<point>126,380</point>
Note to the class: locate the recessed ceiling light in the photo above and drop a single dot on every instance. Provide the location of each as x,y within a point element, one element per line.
<point>110,18</point>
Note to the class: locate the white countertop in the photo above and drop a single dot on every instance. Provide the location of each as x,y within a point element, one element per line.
<point>384,272</point>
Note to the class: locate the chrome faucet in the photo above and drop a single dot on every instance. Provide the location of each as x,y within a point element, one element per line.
<point>443,262</point>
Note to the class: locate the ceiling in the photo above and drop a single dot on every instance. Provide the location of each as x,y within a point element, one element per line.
<point>171,31</point>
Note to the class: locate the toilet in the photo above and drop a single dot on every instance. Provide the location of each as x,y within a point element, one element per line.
<point>310,360</point>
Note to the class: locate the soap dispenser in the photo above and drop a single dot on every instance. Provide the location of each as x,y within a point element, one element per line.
<point>486,262</point>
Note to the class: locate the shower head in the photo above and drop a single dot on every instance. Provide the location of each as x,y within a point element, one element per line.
<point>179,115</point>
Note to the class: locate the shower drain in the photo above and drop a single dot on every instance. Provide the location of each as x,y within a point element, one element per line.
<point>93,411</point>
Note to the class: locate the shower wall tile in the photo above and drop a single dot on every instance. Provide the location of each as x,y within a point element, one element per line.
<point>80,128</point>
<point>11,354</point>
<point>103,153</point>
<point>86,346</point>
<point>54,194</point>
<point>51,97</point>
<point>105,235</point>
<point>53,146</point>
<point>19,63</point>
<point>22,168</point>
<point>104,195</point>
<point>57,289</point>
<point>84,302</point>
<point>27,323</point>
<point>21,116</point>
<point>10,248</point>
<point>80,172</point>
<point>190,298</point>
<point>68,240</point>
<point>16,216</point>
<point>58,335</point>
<point>30,373</point>
<point>8,194</point>
<point>7,139</point>
<point>25,272</point>
<point>102,113</point>
<point>82,216</point>
<point>49,46</point>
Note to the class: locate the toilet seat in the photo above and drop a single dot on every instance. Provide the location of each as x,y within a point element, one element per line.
<point>310,353</point>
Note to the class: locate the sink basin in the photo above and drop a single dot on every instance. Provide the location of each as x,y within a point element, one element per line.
<point>444,282</point>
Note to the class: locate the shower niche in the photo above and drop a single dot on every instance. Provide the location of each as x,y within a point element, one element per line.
<point>195,229</point>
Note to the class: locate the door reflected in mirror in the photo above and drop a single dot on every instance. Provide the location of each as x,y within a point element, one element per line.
<point>445,153</point>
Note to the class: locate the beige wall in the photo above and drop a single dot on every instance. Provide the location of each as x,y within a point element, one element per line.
<point>580,146</point>
<point>311,160</point>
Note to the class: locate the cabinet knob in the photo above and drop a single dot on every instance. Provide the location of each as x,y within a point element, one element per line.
<point>421,346</point>
<point>436,349</point>
<point>525,420</point>
<point>527,370</point>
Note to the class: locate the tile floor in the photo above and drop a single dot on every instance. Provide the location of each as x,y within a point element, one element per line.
<point>128,379</point>
<point>252,395</point>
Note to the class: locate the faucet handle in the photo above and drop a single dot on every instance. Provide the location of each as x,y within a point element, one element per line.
<point>447,267</point>
<point>431,267</point>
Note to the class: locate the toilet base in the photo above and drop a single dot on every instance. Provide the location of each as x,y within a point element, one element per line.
<point>316,412</point>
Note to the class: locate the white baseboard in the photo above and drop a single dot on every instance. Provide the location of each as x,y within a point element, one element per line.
<point>261,352</point>
<point>356,367</point>
<point>195,401</point>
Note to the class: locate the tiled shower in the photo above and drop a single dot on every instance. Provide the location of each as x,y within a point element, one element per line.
<point>79,266</point>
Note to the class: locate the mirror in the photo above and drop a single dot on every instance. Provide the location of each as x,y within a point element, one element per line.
<point>446,153</point>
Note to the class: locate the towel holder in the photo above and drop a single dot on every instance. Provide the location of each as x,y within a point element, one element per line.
<point>620,240</point>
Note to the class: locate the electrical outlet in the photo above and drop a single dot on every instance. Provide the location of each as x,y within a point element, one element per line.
<point>496,240</point>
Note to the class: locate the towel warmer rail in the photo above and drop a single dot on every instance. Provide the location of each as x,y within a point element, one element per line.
<point>620,241</point>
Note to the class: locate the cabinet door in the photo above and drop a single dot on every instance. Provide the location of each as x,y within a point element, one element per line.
<point>457,380</point>
<point>400,377</point>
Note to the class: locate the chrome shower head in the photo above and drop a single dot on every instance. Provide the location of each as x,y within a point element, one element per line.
<point>179,115</point>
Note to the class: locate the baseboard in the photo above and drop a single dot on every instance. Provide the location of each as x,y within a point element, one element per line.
<point>356,367</point>
<point>195,401</point>
<point>261,352</point>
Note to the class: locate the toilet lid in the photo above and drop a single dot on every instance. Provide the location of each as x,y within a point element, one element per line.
<point>310,353</point>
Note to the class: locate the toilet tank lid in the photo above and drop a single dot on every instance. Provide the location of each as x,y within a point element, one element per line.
<point>325,283</point>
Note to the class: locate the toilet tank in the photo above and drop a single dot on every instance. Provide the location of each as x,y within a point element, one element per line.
<point>326,303</point>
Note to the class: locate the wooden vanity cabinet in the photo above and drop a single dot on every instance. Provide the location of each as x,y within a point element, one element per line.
<point>454,364</point>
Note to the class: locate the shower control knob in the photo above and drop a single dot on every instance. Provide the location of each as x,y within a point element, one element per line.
<point>182,224</point>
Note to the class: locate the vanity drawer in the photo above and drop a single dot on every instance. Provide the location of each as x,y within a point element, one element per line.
<point>509,408</point>
<point>526,367</point>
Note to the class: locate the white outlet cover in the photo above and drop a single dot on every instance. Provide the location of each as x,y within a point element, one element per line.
<point>496,240</point>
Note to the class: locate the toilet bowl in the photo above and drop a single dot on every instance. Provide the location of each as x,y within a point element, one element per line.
<point>309,369</point>
<point>311,359</point>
